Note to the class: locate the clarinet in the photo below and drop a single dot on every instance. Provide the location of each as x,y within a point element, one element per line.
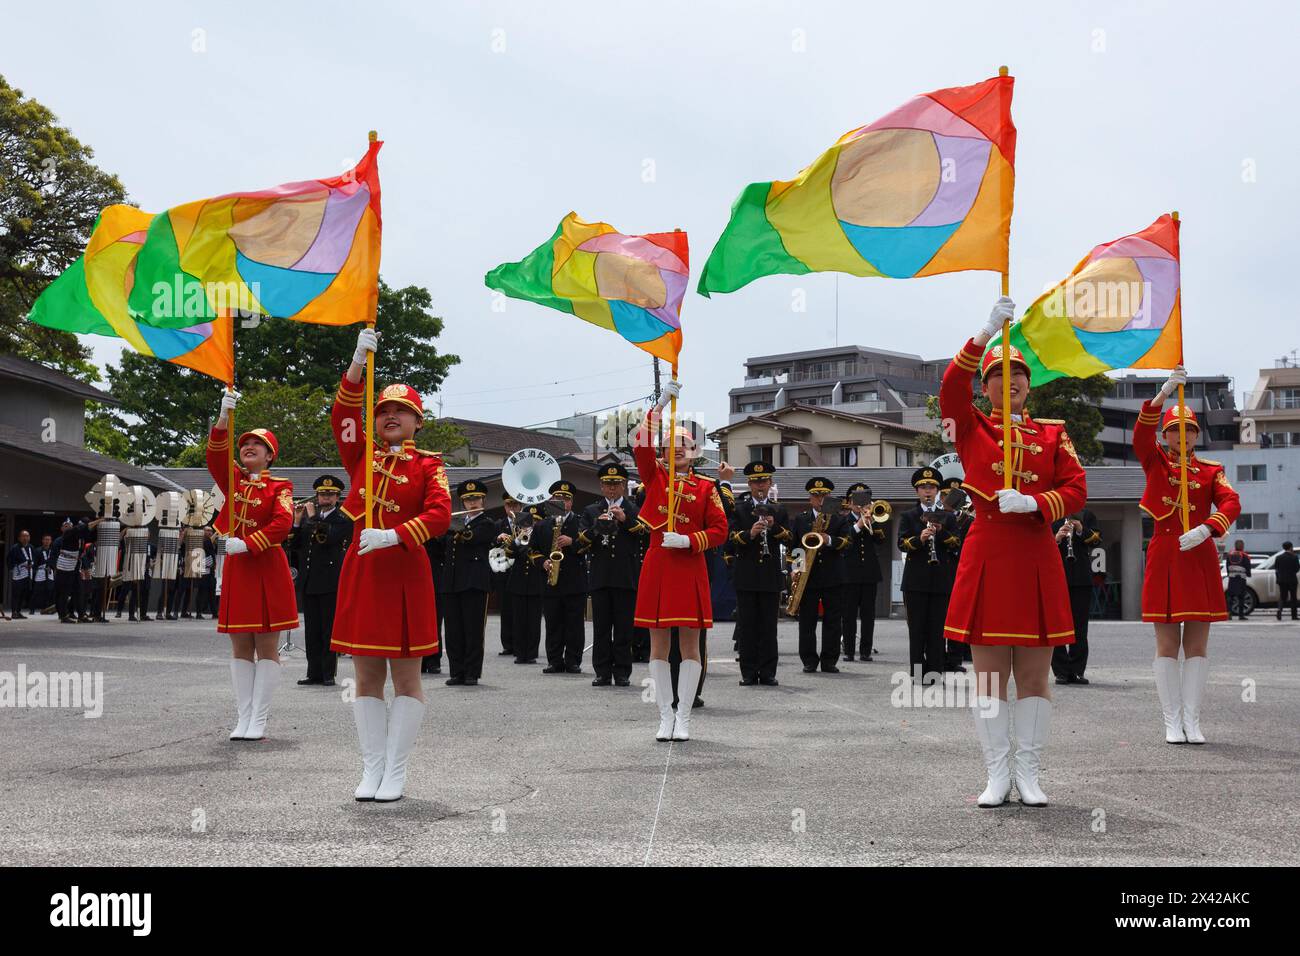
<point>1069,542</point>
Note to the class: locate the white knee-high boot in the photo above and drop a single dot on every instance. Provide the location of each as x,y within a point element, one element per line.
<point>241,675</point>
<point>688,682</point>
<point>371,715</point>
<point>662,675</point>
<point>993,727</point>
<point>1033,723</point>
<point>404,719</point>
<point>1169,688</point>
<point>1195,670</point>
<point>265,681</point>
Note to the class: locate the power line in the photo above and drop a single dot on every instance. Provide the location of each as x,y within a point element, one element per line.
<point>534,398</point>
<point>561,381</point>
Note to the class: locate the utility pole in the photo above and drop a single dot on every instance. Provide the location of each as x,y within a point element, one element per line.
<point>655,400</point>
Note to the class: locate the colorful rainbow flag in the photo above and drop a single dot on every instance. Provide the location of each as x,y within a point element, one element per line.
<point>306,251</point>
<point>90,298</point>
<point>632,285</point>
<point>925,190</point>
<point>1119,308</point>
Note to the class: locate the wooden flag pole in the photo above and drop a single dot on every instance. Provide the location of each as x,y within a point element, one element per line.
<point>1182,440</point>
<point>1006,368</point>
<point>230,437</point>
<point>370,400</point>
<point>672,459</point>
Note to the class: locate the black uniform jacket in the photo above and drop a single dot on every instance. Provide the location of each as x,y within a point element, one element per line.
<point>321,543</point>
<point>615,557</point>
<point>919,572</point>
<point>826,571</point>
<point>465,562</point>
<point>751,569</point>
<point>573,573</point>
<point>1078,572</point>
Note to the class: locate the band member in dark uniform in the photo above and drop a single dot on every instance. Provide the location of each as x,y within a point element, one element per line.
<point>930,545</point>
<point>1075,537</point>
<point>563,603</point>
<point>1287,568</point>
<point>759,527</point>
<point>954,499</point>
<point>321,533</point>
<point>860,566</point>
<point>43,577</point>
<point>436,549</point>
<point>67,570</point>
<point>525,583</point>
<point>469,581</point>
<point>640,635</point>
<point>505,606</point>
<point>609,535</point>
<point>824,581</point>
<point>21,563</point>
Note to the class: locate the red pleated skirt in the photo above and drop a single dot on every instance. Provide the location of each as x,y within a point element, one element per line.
<point>674,588</point>
<point>1010,585</point>
<point>1182,586</point>
<point>386,605</point>
<point>256,593</point>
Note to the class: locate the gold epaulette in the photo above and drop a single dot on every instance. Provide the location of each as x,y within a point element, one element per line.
<point>1207,461</point>
<point>1049,421</point>
<point>427,453</point>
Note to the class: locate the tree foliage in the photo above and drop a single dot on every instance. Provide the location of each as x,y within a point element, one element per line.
<point>51,193</point>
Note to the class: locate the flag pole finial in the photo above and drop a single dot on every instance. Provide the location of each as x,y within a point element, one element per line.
<point>373,135</point>
<point>1003,71</point>
<point>1174,214</point>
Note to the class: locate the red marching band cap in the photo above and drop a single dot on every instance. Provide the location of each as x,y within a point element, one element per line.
<point>402,395</point>
<point>1176,412</point>
<point>994,357</point>
<point>265,436</point>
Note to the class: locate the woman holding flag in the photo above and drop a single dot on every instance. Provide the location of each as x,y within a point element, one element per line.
<point>1182,592</point>
<point>387,618</point>
<point>1010,601</point>
<point>257,600</point>
<point>673,591</point>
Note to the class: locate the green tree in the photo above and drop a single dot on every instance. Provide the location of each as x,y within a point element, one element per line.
<point>50,196</point>
<point>102,435</point>
<point>931,445</point>
<point>168,409</point>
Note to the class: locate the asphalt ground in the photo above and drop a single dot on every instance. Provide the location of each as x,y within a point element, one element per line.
<point>826,769</point>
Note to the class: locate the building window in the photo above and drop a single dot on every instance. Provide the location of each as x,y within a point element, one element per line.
<point>1288,398</point>
<point>1280,440</point>
<point>755,406</point>
<point>1253,521</point>
<point>1252,472</point>
<point>871,396</point>
<point>902,457</point>
<point>849,457</point>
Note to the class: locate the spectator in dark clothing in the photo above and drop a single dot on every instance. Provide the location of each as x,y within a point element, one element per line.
<point>1287,568</point>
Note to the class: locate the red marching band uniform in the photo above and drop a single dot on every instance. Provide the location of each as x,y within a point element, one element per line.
<point>386,604</point>
<point>674,586</point>
<point>1010,586</point>
<point>257,593</point>
<point>1179,585</point>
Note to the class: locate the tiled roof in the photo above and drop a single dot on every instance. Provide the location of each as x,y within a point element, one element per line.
<point>11,366</point>
<point>771,419</point>
<point>486,436</point>
<point>83,459</point>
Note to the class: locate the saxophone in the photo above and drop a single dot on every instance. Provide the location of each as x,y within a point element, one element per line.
<point>556,556</point>
<point>802,565</point>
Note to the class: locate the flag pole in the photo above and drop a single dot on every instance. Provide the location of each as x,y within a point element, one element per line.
<point>370,398</point>
<point>230,437</point>
<point>1006,366</point>
<point>672,458</point>
<point>1182,438</point>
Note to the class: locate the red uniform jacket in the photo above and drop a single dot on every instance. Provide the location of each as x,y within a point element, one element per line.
<point>1207,484</point>
<point>1010,586</point>
<point>256,587</point>
<point>1180,586</point>
<point>386,598</point>
<point>674,586</point>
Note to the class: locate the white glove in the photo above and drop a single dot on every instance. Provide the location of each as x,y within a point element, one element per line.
<point>235,546</point>
<point>1003,310</point>
<point>674,540</point>
<point>367,341</point>
<point>1193,538</point>
<point>1011,501</point>
<point>1177,377</point>
<point>376,539</point>
<point>669,392</point>
<point>228,400</point>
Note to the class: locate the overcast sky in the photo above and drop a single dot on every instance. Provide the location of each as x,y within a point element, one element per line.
<point>500,117</point>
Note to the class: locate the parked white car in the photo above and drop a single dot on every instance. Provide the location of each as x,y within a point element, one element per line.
<point>1261,586</point>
